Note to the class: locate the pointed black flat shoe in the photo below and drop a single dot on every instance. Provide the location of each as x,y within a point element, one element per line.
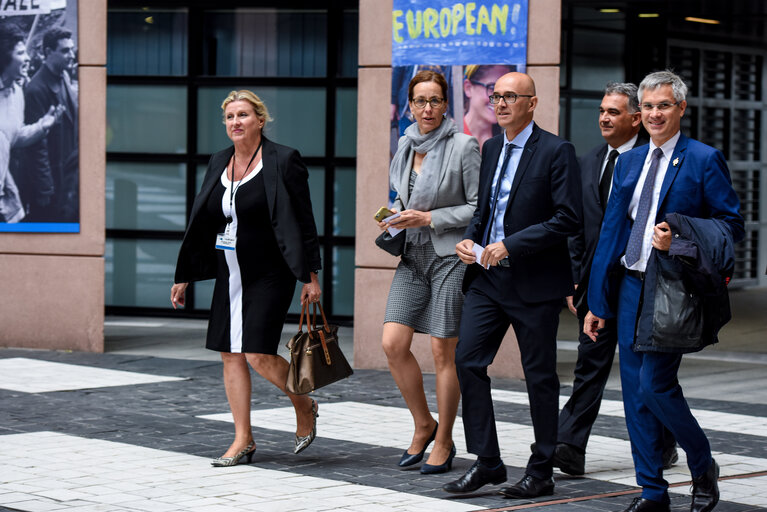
<point>408,459</point>
<point>431,469</point>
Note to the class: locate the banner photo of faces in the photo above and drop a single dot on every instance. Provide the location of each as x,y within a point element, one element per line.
<point>472,44</point>
<point>39,157</point>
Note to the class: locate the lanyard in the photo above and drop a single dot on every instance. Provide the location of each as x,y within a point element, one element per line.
<point>232,188</point>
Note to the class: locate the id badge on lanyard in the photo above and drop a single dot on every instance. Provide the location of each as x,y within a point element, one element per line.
<point>226,241</point>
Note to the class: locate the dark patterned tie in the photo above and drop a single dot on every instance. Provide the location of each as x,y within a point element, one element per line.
<point>506,157</point>
<point>634,247</point>
<point>607,178</point>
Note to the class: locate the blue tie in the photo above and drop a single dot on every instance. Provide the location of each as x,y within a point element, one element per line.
<point>634,247</point>
<point>498,183</point>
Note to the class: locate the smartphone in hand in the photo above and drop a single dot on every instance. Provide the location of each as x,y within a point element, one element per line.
<point>382,213</point>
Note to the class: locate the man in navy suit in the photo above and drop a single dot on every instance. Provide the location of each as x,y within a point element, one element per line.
<point>620,122</point>
<point>528,204</point>
<point>673,174</point>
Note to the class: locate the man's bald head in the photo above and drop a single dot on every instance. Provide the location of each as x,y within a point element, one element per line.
<point>514,116</point>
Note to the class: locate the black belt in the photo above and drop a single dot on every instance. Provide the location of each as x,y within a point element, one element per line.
<point>635,273</point>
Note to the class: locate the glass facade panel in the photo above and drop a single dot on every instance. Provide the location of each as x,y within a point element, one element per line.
<point>349,47</point>
<point>203,293</point>
<point>139,272</point>
<point>146,118</point>
<point>298,113</point>
<point>165,88</point>
<point>343,280</point>
<point>146,196</point>
<point>591,69</point>
<point>346,122</point>
<point>317,192</point>
<point>147,42</point>
<point>265,42</point>
<point>344,208</point>
<point>584,127</point>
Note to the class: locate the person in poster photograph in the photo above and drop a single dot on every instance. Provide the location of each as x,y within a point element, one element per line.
<point>14,133</point>
<point>479,115</point>
<point>39,161</point>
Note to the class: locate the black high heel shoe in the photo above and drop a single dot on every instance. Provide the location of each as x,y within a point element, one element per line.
<point>408,459</point>
<point>430,469</point>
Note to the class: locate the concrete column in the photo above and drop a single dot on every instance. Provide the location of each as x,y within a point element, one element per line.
<point>52,285</point>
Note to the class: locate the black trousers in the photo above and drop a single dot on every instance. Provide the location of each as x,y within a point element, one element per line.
<point>490,306</point>
<point>592,369</point>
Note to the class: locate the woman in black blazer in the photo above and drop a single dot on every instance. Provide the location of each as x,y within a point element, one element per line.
<point>252,229</point>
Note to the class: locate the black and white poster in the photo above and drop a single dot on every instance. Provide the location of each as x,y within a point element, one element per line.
<point>39,159</point>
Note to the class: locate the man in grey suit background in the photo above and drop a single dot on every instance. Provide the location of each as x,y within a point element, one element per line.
<point>620,122</point>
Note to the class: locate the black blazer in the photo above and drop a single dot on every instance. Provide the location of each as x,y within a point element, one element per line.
<point>543,210</point>
<point>290,208</point>
<point>583,245</point>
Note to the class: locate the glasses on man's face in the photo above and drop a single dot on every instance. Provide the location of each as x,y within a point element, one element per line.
<point>488,87</point>
<point>662,106</point>
<point>508,97</point>
<point>422,102</point>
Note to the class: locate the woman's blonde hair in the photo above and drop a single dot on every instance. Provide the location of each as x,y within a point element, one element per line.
<point>245,95</point>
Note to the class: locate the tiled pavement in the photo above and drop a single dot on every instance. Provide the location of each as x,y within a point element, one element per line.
<point>134,430</point>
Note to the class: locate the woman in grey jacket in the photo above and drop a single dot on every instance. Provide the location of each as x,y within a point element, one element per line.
<point>435,172</point>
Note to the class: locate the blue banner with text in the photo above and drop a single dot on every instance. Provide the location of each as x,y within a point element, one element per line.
<point>446,32</point>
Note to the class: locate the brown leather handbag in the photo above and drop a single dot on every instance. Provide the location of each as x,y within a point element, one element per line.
<point>316,359</point>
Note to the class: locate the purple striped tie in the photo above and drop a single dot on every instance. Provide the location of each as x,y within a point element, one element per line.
<point>634,247</point>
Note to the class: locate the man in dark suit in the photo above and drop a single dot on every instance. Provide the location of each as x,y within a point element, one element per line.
<point>620,122</point>
<point>673,174</point>
<point>528,204</point>
<point>52,184</point>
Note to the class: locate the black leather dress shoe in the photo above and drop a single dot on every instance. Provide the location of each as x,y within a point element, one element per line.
<point>477,476</point>
<point>705,489</point>
<point>569,459</point>
<point>530,487</point>
<point>670,457</point>
<point>645,505</point>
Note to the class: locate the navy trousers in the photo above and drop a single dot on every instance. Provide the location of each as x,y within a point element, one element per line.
<point>652,398</point>
<point>490,306</point>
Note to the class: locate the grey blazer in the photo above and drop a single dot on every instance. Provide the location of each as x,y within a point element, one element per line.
<point>456,195</point>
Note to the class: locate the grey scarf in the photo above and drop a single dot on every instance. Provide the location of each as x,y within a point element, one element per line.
<point>424,195</point>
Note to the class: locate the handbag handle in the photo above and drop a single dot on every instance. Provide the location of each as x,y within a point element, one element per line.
<point>324,320</point>
<point>326,329</point>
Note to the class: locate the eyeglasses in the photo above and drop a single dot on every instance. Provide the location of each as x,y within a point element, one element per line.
<point>434,102</point>
<point>648,107</point>
<point>488,87</point>
<point>508,98</point>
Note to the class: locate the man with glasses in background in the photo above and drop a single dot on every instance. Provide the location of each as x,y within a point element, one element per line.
<point>528,204</point>
<point>673,174</point>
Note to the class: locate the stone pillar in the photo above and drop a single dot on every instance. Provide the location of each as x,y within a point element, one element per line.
<point>52,285</point>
